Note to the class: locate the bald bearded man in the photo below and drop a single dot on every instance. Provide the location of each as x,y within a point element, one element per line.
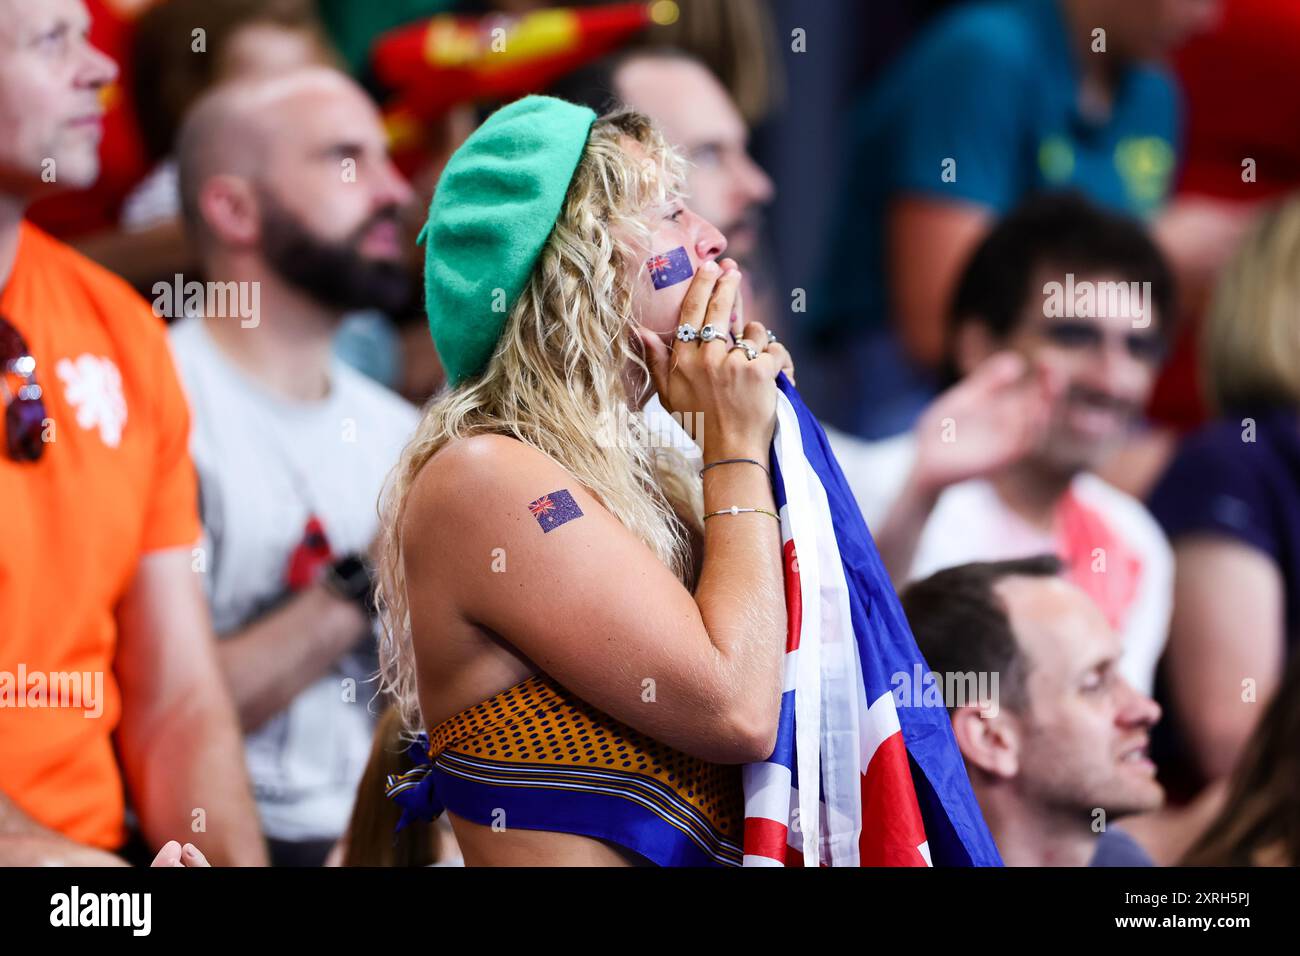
<point>294,208</point>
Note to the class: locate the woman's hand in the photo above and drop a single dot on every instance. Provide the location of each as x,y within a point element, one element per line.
<point>735,395</point>
<point>738,324</point>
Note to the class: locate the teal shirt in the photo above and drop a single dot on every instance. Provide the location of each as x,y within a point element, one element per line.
<point>983,109</point>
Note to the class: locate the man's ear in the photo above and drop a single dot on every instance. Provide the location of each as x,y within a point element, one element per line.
<point>230,209</point>
<point>990,743</point>
<point>972,343</point>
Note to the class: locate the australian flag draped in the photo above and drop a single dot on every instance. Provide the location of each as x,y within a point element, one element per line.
<point>855,779</point>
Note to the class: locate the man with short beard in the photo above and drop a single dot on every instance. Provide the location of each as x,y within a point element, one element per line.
<point>1059,751</point>
<point>1081,300</point>
<point>288,192</point>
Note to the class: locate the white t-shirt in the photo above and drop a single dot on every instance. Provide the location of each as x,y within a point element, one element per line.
<point>875,470</point>
<point>155,199</point>
<point>265,464</point>
<point>970,522</point>
<point>664,431</point>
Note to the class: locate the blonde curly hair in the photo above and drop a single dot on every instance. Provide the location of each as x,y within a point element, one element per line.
<point>556,380</point>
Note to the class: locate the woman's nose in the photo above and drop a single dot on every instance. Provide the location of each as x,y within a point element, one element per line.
<point>711,243</point>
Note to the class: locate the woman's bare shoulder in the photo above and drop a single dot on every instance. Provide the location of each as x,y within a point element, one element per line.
<point>481,460</point>
<point>468,478</point>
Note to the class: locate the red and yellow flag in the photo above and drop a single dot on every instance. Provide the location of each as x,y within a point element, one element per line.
<point>446,60</point>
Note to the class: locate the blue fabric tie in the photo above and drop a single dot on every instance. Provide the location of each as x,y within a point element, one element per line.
<point>414,790</point>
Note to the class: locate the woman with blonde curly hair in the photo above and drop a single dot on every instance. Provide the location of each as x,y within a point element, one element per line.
<point>590,632</point>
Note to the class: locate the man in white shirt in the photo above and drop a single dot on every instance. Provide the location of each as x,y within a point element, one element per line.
<point>1001,466</point>
<point>293,206</point>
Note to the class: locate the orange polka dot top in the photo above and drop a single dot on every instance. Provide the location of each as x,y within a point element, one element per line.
<point>538,758</point>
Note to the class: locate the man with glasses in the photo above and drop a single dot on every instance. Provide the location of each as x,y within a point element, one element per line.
<point>109,685</point>
<point>1055,337</point>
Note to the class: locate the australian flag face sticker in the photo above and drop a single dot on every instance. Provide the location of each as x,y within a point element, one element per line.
<point>554,509</point>
<point>670,268</point>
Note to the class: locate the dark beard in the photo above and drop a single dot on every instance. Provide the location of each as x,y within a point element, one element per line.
<point>334,273</point>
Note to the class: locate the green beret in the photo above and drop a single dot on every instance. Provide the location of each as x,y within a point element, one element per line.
<point>492,213</point>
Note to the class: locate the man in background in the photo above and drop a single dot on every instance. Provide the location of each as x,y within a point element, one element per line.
<point>291,201</point>
<point>1003,464</point>
<point>1057,749</point>
<point>98,520</point>
<point>992,102</point>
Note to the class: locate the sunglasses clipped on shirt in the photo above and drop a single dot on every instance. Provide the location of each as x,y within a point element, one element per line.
<point>24,410</point>
<point>1078,334</point>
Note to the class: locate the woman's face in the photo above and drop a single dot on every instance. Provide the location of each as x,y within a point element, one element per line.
<point>679,243</point>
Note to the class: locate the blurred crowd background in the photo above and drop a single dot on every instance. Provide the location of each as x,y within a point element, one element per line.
<point>818,88</point>
<point>898,179</point>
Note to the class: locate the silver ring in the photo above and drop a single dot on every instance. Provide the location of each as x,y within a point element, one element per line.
<point>686,333</point>
<point>711,332</point>
<point>751,353</point>
<point>771,337</point>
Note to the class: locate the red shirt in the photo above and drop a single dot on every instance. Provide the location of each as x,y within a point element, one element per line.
<point>1243,102</point>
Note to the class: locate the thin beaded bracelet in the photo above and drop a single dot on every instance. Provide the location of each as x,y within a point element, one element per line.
<point>734,461</point>
<point>734,510</point>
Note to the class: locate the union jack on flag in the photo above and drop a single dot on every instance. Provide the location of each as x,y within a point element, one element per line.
<point>854,779</point>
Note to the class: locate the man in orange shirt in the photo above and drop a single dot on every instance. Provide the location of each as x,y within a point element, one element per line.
<point>109,685</point>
